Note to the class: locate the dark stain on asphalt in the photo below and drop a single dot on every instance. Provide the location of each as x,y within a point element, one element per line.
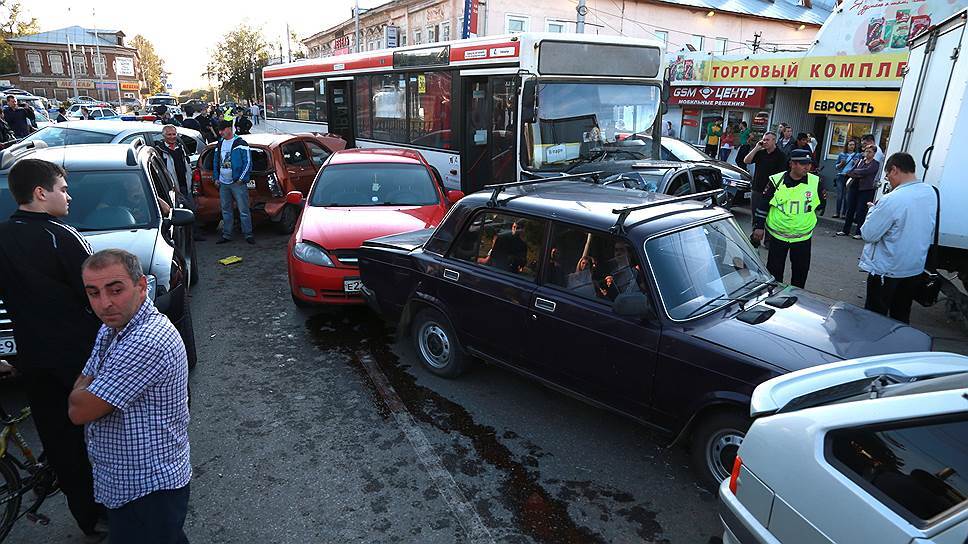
<point>539,514</point>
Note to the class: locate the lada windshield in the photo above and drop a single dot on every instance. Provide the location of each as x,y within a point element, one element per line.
<point>374,184</point>
<point>576,120</point>
<point>100,200</point>
<point>703,268</point>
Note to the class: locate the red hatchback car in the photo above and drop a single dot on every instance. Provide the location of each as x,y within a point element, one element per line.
<point>359,194</point>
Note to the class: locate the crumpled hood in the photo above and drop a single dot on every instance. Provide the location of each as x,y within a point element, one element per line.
<point>346,228</point>
<point>812,331</point>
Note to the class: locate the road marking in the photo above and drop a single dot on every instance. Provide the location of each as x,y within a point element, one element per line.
<point>461,509</point>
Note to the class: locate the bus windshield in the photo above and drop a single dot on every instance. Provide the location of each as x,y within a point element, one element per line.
<point>575,120</point>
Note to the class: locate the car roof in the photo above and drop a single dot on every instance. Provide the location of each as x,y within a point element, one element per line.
<point>267,139</point>
<point>88,156</point>
<point>590,205</point>
<point>117,126</point>
<point>381,155</point>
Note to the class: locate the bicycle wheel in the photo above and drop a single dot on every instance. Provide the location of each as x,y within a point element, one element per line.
<point>9,495</point>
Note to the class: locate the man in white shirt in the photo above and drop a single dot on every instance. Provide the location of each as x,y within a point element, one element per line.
<point>899,231</point>
<point>255,111</point>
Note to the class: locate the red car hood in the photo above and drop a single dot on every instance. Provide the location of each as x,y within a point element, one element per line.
<point>347,228</point>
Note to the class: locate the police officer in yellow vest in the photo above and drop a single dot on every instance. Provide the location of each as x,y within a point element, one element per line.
<point>788,213</point>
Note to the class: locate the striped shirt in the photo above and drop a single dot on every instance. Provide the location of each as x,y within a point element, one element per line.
<point>142,446</point>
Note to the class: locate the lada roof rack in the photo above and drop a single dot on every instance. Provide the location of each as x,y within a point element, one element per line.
<point>497,188</point>
<point>623,213</point>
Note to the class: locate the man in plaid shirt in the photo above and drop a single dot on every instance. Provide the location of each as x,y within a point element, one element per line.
<point>132,397</point>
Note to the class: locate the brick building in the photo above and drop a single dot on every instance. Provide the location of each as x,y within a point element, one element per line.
<point>43,67</point>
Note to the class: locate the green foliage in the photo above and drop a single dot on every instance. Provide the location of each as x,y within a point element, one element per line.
<point>12,24</point>
<point>152,65</point>
<point>235,57</point>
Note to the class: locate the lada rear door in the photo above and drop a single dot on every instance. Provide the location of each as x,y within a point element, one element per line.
<point>584,345</point>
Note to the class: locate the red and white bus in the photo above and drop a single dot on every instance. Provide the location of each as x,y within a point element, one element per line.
<point>480,110</point>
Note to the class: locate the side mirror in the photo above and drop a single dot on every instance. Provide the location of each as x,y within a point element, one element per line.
<point>182,217</point>
<point>529,102</point>
<point>633,305</point>
<point>454,196</point>
<point>294,197</point>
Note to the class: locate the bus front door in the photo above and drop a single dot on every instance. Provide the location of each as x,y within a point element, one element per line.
<point>339,109</point>
<point>490,124</point>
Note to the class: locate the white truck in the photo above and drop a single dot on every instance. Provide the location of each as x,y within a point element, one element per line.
<point>931,124</point>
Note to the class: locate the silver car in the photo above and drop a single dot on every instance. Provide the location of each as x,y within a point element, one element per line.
<point>865,450</point>
<point>115,132</point>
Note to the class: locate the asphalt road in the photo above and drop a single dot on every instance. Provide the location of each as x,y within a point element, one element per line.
<point>321,427</point>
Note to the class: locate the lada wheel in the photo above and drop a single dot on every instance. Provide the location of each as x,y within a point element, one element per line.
<point>436,344</point>
<point>715,443</point>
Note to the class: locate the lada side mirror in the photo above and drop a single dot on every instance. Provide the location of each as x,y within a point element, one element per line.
<point>182,217</point>
<point>633,305</point>
<point>294,197</point>
<point>454,196</point>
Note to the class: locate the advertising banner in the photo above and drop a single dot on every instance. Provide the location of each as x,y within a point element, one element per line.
<point>854,103</point>
<point>740,97</point>
<point>471,8</point>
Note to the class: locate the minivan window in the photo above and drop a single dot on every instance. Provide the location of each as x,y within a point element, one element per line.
<point>61,136</point>
<point>594,266</point>
<point>919,469</point>
<point>504,242</point>
<point>700,268</point>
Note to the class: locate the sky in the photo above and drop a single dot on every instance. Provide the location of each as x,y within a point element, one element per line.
<point>185,44</point>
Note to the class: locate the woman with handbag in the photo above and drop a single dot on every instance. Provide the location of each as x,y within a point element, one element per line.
<point>845,163</point>
<point>861,185</point>
<point>900,230</point>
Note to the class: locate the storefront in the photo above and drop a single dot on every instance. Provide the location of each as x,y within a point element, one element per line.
<point>851,114</point>
<point>693,108</point>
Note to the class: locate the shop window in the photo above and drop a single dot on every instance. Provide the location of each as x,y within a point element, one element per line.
<point>885,136</point>
<point>304,95</point>
<point>430,109</point>
<point>841,132</point>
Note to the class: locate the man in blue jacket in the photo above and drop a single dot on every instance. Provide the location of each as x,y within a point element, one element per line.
<point>231,169</point>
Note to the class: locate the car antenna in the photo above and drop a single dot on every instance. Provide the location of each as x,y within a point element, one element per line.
<point>497,188</point>
<point>623,213</point>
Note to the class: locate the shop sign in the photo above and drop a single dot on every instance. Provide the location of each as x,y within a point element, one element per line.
<point>124,66</point>
<point>726,96</point>
<point>690,123</point>
<point>109,85</point>
<point>854,103</point>
<point>846,70</point>
<point>80,84</point>
<point>130,86</point>
<point>690,112</point>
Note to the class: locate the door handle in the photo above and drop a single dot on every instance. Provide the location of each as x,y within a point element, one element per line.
<point>544,304</point>
<point>453,171</point>
<point>451,275</point>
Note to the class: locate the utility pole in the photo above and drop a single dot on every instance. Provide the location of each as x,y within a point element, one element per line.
<point>582,11</point>
<point>255,92</point>
<point>756,41</point>
<point>97,53</point>
<point>288,46</point>
<point>356,19</point>
<point>70,57</point>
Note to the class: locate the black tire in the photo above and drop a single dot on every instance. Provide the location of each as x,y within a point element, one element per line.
<point>436,344</point>
<point>187,333</point>
<point>193,267</point>
<point>288,218</point>
<point>715,442</point>
<point>9,483</point>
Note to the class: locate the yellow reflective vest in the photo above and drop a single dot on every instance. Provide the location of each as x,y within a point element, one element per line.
<point>792,216</point>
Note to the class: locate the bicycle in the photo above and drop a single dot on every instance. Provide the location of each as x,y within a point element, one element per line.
<point>39,479</point>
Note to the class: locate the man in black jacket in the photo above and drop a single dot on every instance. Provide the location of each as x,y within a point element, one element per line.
<point>54,327</point>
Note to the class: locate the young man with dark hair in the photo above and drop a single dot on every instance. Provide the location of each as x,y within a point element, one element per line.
<point>231,167</point>
<point>132,398</point>
<point>18,117</point>
<point>40,283</point>
<point>899,231</point>
<point>61,114</point>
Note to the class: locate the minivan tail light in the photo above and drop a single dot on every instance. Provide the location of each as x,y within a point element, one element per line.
<point>734,476</point>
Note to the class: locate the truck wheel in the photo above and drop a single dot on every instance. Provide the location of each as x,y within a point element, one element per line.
<point>715,442</point>
<point>288,218</point>
<point>436,344</point>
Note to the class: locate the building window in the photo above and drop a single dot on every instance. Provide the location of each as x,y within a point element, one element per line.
<point>696,41</point>
<point>431,34</point>
<point>56,62</point>
<point>445,32</point>
<point>663,36</point>
<point>516,23</point>
<point>80,63</point>
<point>554,26</point>
<point>34,63</point>
<point>100,65</point>
<point>39,91</point>
<point>719,46</point>
<point>417,37</point>
<point>403,38</point>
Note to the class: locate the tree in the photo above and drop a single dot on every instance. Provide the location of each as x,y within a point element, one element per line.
<point>152,66</point>
<point>13,24</point>
<point>238,54</point>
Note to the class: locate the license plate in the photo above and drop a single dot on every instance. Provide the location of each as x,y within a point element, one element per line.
<point>352,286</point>
<point>8,346</point>
<point>747,194</point>
<point>250,184</point>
